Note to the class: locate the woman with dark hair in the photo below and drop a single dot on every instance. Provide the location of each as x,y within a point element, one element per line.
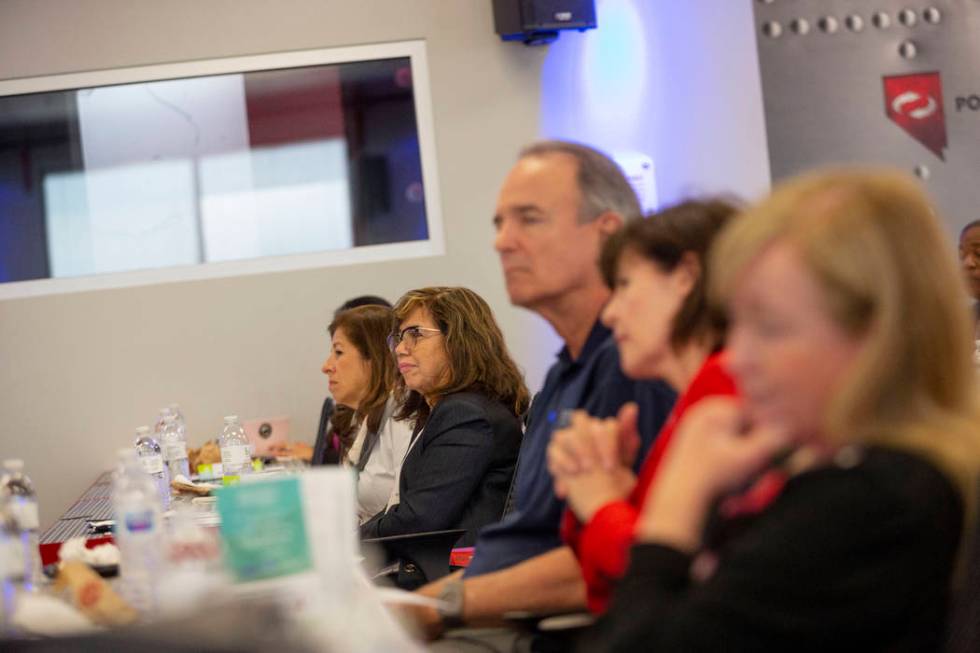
<point>362,378</point>
<point>327,448</point>
<point>664,328</point>
<point>464,396</point>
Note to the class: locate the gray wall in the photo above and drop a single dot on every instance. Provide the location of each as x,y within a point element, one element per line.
<point>78,372</point>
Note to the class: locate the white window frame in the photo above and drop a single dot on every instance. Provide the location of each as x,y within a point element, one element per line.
<point>433,246</point>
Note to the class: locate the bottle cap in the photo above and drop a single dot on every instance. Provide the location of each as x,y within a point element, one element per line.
<point>13,464</point>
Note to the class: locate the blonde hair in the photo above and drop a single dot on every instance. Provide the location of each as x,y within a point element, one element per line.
<point>871,239</point>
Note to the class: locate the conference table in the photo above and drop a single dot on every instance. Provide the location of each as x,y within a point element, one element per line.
<point>95,504</point>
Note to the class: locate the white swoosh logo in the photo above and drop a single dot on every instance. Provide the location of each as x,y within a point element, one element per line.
<point>908,97</point>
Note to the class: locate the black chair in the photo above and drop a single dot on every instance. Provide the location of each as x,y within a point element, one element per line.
<point>323,453</point>
<point>422,557</point>
<point>964,625</point>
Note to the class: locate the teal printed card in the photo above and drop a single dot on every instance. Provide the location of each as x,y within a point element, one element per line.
<point>263,529</point>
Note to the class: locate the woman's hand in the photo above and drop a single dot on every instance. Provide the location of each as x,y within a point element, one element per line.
<point>712,452</point>
<point>299,450</point>
<point>591,460</point>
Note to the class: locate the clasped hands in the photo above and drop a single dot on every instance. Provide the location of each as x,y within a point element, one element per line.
<point>591,460</point>
<point>714,451</point>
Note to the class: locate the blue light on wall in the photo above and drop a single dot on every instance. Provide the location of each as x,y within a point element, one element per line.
<point>675,80</point>
<point>594,84</point>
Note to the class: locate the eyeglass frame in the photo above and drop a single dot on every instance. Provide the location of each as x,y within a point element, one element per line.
<point>398,337</point>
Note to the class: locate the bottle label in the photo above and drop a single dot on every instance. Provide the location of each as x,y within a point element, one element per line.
<point>175,450</point>
<point>152,464</point>
<point>11,558</point>
<point>235,454</point>
<point>25,514</point>
<point>139,521</point>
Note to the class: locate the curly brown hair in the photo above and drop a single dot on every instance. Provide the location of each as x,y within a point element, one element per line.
<point>478,356</point>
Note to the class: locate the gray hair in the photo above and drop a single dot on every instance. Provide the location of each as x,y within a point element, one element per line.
<point>601,182</point>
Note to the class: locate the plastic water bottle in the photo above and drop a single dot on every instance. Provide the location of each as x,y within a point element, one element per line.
<point>151,458</point>
<point>138,532</point>
<point>181,421</point>
<point>11,568</point>
<point>235,452</point>
<point>158,425</point>
<point>174,448</point>
<point>21,504</point>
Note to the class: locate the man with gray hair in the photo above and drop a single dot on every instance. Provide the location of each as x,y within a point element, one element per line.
<point>555,209</point>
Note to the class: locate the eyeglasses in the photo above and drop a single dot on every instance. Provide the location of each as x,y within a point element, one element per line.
<point>410,335</point>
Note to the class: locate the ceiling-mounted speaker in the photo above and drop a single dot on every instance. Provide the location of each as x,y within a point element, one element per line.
<point>536,22</point>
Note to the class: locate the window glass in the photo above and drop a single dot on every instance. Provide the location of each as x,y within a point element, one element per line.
<point>200,169</point>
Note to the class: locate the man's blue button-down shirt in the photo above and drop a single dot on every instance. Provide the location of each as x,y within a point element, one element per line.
<point>594,383</point>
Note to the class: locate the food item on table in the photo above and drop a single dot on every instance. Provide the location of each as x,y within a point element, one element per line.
<point>187,486</point>
<point>102,555</point>
<point>208,454</point>
<point>92,595</point>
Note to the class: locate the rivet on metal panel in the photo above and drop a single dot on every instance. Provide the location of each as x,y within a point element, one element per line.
<point>800,25</point>
<point>828,24</point>
<point>908,17</point>
<point>881,20</point>
<point>908,49</point>
<point>932,15</point>
<point>923,172</point>
<point>772,29</point>
<point>854,23</point>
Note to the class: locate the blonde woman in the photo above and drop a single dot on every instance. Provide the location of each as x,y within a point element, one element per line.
<point>850,343</point>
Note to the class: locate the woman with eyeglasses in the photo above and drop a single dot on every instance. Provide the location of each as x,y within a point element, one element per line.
<point>464,397</point>
<point>362,378</point>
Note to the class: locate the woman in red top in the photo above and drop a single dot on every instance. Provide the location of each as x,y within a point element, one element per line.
<point>664,328</point>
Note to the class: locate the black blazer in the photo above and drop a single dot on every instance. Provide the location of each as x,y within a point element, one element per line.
<point>458,473</point>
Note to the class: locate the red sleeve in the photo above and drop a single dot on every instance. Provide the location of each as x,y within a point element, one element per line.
<point>602,545</point>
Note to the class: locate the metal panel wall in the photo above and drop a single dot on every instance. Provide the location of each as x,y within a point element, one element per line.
<point>876,81</point>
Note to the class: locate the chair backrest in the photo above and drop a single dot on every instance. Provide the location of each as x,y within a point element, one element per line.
<point>422,557</point>
<point>964,625</point>
<point>321,448</point>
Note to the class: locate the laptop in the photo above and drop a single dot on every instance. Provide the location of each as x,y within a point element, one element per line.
<point>266,432</point>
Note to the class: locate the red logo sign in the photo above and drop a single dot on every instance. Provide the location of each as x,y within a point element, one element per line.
<point>915,103</point>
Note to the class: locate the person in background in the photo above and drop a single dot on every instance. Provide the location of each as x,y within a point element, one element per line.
<point>849,342</point>
<point>362,378</point>
<point>659,272</point>
<point>556,207</point>
<point>464,397</point>
<point>970,259</point>
<point>335,419</point>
